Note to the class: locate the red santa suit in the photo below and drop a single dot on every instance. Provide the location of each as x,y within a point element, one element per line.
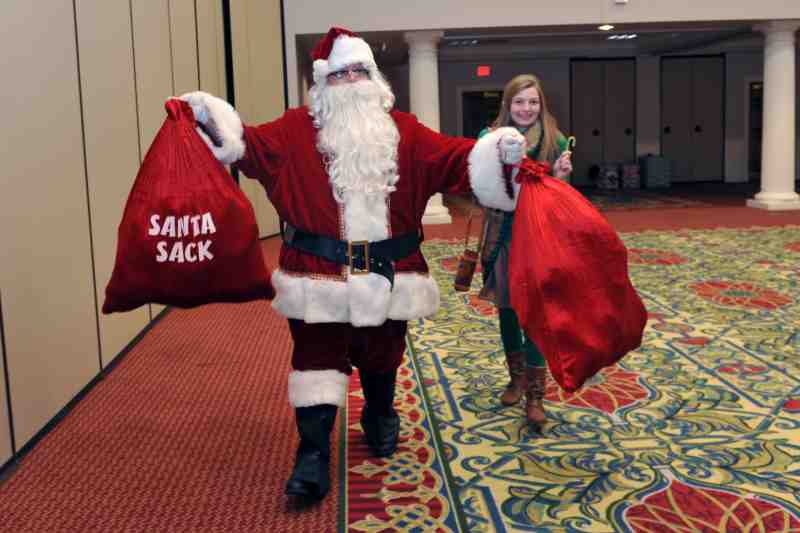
<point>337,314</point>
<point>284,157</point>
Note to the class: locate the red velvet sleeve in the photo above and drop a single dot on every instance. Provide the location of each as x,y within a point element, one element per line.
<point>441,160</point>
<point>265,152</point>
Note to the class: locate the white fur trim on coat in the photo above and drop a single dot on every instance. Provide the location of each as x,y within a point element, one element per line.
<point>346,51</point>
<point>226,120</point>
<point>317,387</point>
<point>360,300</point>
<point>363,299</point>
<point>486,173</point>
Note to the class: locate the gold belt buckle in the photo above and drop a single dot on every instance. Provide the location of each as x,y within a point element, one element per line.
<point>354,270</point>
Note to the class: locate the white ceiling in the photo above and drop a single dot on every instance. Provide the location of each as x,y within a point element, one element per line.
<point>565,41</point>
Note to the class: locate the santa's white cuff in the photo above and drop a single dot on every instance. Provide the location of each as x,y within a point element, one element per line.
<point>317,387</point>
<point>486,173</point>
<point>359,300</point>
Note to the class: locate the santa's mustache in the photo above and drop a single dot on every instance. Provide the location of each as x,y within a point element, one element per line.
<point>359,138</point>
<point>362,96</point>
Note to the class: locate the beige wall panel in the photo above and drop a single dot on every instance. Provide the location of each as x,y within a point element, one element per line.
<point>46,271</point>
<point>211,47</point>
<point>258,75</point>
<point>151,46</point>
<point>112,148</point>
<point>5,430</point>
<point>184,45</point>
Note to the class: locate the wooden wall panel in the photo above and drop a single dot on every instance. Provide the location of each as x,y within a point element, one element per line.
<point>46,273</point>
<point>154,82</point>
<point>183,32</point>
<point>6,449</point>
<point>258,74</point>
<point>211,47</point>
<point>112,147</point>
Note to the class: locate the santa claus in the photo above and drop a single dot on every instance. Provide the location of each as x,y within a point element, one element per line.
<point>350,178</point>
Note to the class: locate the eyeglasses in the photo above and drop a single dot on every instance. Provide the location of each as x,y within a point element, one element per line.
<point>357,72</point>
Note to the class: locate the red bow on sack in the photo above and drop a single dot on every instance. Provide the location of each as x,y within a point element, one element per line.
<point>569,279</point>
<point>528,170</point>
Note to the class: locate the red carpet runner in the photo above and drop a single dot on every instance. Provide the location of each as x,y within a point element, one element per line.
<point>192,432</point>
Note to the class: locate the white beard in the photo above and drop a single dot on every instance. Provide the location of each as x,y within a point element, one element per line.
<point>357,138</point>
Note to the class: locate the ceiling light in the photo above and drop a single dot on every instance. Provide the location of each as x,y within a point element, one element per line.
<point>605,27</point>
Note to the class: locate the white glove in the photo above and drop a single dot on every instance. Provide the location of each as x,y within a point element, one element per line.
<point>218,124</point>
<point>197,101</point>
<point>512,147</point>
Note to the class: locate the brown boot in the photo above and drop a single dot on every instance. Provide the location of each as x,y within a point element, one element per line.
<point>534,397</point>
<point>516,370</point>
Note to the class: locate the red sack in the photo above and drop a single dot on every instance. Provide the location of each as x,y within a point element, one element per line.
<point>569,278</point>
<point>188,235</point>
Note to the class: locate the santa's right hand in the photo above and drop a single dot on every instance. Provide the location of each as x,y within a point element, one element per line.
<point>197,101</point>
<point>218,124</point>
<point>511,147</point>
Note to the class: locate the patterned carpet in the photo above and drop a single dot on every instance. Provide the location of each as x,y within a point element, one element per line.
<point>698,430</point>
<point>627,199</point>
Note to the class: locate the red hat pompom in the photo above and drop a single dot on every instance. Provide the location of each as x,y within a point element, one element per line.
<point>325,45</point>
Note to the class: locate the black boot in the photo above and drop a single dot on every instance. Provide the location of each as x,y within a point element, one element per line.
<point>309,479</point>
<point>379,420</point>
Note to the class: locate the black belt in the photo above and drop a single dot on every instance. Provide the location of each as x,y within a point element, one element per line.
<point>361,256</point>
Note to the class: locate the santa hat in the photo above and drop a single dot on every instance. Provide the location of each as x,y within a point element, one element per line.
<point>338,49</point>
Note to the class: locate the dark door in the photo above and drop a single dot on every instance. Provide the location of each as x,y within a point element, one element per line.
<point>676,116</point>
<point>708,138</point>
<point>754,135</point>
<point>603,101</point>
<point>588,118</point>
<point>692,117</point>
<point>480,108</point>
<point>620,109</point>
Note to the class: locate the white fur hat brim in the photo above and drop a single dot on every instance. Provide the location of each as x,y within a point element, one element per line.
<point>346,51</point>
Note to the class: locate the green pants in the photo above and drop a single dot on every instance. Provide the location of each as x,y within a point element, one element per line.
<point>514,339</point>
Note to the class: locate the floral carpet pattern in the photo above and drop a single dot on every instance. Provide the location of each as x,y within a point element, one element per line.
<point>696,431</point>
<point>626,199</point>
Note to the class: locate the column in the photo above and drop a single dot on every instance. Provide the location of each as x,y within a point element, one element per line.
<point>778,142</point>
<point>423,76</point>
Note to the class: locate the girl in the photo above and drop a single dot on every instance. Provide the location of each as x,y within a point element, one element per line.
<point>524,107</point>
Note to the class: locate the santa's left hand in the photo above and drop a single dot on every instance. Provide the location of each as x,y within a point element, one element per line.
<point>563,166</point>
<point>511,146</point>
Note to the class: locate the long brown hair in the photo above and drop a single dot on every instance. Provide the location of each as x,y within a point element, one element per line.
<point>548,150</point>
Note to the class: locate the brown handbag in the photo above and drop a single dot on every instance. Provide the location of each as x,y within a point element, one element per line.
<point>468,261</point>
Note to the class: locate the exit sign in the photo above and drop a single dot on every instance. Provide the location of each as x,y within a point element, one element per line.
<point>484,71</point>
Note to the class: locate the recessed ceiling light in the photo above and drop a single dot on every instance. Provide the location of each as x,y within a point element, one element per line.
<point>605,27</point>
